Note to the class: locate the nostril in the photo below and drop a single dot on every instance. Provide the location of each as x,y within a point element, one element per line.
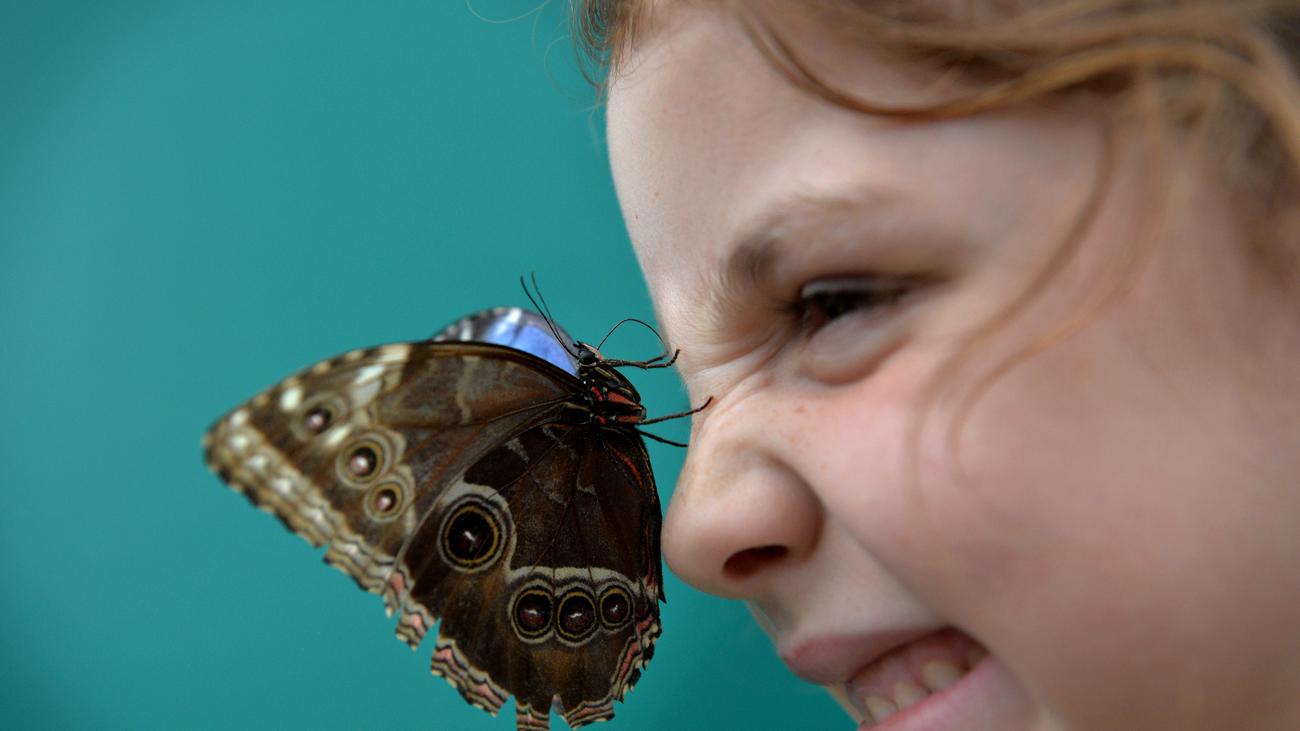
<point>744,564</point>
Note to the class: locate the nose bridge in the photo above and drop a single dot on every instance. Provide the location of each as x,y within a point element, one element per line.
<point>741,510</point>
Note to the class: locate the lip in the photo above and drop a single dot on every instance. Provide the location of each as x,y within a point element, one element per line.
<point>833,659</point>
<point>951,708</point>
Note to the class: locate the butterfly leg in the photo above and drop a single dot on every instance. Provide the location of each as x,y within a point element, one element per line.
<point>646,364</point>
<point>679,414</point>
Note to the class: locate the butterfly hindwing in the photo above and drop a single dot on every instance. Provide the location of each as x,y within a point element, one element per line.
<point>572,591</point>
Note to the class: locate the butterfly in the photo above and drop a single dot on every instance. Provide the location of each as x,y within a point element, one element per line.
<point>491,480</point>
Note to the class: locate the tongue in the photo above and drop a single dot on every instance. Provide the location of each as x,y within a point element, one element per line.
<point>932,662</point>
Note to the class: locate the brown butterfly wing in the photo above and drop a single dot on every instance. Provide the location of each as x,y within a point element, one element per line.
<point>389,455</point>
<point>567,521</point>
<point>424,411</point>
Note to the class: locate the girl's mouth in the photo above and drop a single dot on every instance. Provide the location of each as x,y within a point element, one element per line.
<point>912,673</point>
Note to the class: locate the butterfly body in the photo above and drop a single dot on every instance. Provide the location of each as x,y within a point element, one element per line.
<point>481,489</point>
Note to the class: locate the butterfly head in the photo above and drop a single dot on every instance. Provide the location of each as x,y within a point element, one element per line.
<point>586,354</point>
<point>611,398</point>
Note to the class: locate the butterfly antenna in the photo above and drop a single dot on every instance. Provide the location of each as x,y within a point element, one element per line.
<point>546,312</point>
<point>626,320</point>
<point>546,309</point>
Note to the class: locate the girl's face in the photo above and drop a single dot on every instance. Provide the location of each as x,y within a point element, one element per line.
<point>1113,542</point>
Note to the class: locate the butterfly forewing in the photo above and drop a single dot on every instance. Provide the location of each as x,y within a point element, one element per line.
<point>462,481</point>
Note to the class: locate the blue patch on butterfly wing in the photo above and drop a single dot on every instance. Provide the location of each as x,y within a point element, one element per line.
<point>531,339</point>
<point>517,328</point>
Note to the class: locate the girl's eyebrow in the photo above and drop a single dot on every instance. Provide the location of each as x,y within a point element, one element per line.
<point>798,220</point>
<point>868,226</point>
<point>749,262</point>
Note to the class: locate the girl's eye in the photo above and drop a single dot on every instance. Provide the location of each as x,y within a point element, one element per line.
<point>825,300</point>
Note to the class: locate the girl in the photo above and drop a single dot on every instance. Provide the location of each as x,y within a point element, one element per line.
<point>997,303</point>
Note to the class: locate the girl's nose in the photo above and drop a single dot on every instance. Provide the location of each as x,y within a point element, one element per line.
<point>741,516</point>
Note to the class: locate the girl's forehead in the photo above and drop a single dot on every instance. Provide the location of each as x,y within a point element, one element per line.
<point>701,125</point>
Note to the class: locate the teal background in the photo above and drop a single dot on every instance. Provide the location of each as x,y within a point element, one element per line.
<point>198,198</point>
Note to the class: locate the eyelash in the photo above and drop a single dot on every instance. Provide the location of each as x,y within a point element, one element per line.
<point>821,302</point>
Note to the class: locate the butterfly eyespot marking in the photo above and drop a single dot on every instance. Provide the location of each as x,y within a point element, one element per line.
<point>532,612</point>
<point>385,501</point>
<point>317,420</point>
<point>363,460</point>
<point>577,616</point>
<point>316,415</point>
<point>471,537</point>
<point>615,607</point>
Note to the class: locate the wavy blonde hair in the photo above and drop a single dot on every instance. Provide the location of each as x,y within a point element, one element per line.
<point>1219,74</point>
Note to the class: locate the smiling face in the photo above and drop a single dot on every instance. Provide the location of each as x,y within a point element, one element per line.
<point>1114,540</point>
